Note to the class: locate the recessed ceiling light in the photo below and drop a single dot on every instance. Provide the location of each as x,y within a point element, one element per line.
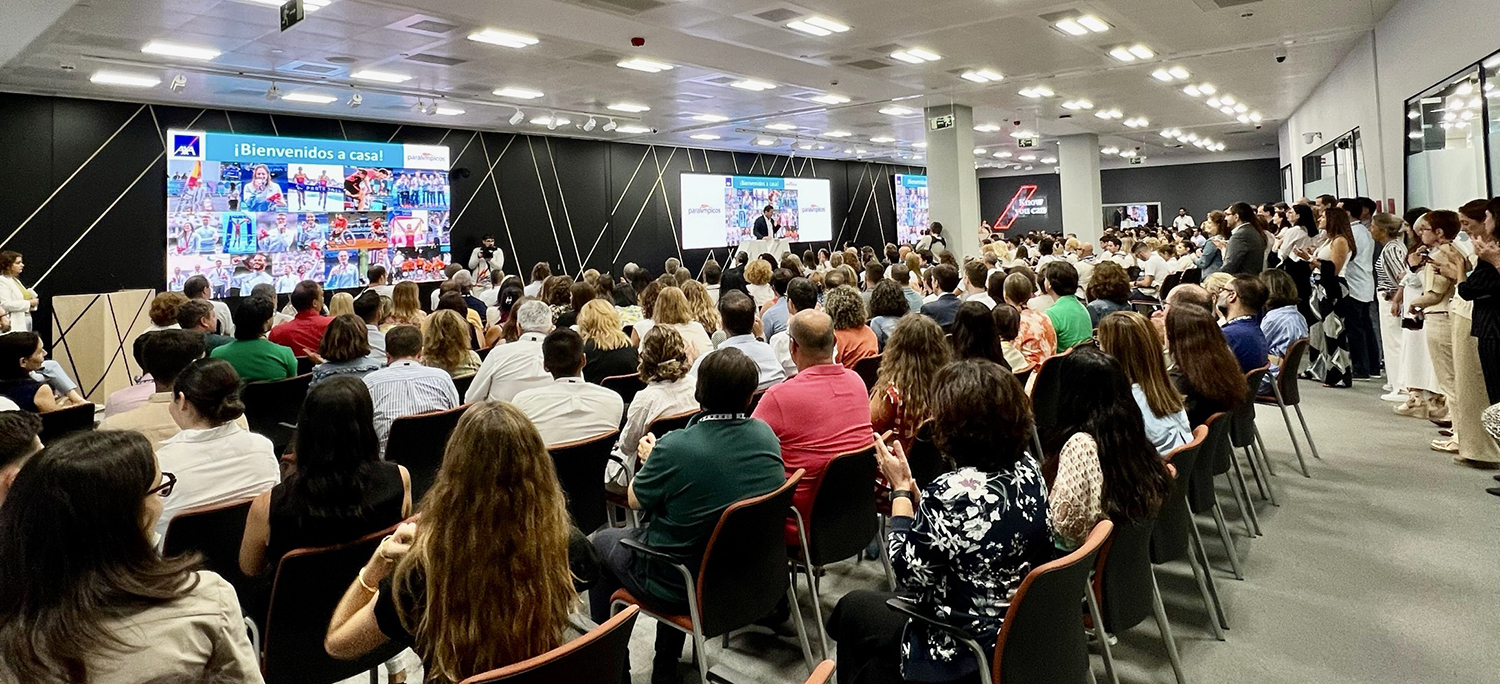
<point>1093,23</point>
<point>1048,160</point>
<point>830,99</point>
<point>1227,99</point>
<point>766,142</point>
<point>1036,92</point>
<point>1002,154</point>
<point>1108,114</point>
<point>859,151</point>
<point>1192,90</point>
<point>1255,116</point>
<point>710,118</point>
<point>1241,108</point>
<point>1122,53</point>
<point>157,47</point>
<point>1076,105</point>
<point>805,146</point>
<point>381,76</point>
<point>982,76</point>
<point>1027,157</point>
<point>917,157</point>
<point>1138,122</point>
<point>897,110</point>
<point>310,98</point>
<point>916,55</point>
<point>980,151</point>
<point>920,145</point>
<point>502,38</point>
<point>448,111</point>
<point>1070,27</point>
<point>519,93</point>
<point>1207,88</point>
<point>1213,102</point>
<point>752,84</point>
<point>882,139</point>
<point>1415,135</point>
<point>704,136</point>
<point>836,134</point>
<point>1179,73</point>
<point>1110,150</point>
<point>987,128</point>
<point>633,129</point>
<point>550,121</point>
<point>1141,51</point>
<point>1022,133</point>
<point>781,127</point>
<point>826,23</point>
<point>1242,119</point>
<point>809,29</point>
<point>646,65</point>
<point>129,80</point>
<point>628,107</point>
<point>1162,75</point>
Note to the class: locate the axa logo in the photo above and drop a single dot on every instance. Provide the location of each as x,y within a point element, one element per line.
<point>704,209</point>
<point>187,145</point>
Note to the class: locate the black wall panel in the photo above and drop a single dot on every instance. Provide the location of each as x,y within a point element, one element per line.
<point>86,203</point>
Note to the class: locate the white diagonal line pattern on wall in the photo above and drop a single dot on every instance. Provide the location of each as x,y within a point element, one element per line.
<point>666,201</point>
<point>562,262</point>
<point>609,220</point>
<point>563,200</point>
<point>647,201</point>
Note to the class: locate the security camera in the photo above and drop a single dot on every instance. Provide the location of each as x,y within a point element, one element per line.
<point>1281,55</point>
<point>1308,138</point>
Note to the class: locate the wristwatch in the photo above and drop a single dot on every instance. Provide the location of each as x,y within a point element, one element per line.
<point>901,494</point>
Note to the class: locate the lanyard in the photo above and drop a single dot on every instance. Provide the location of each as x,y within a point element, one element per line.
<point>722,416</point>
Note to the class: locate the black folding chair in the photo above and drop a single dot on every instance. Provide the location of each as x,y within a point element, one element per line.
<point>594,658</point>
<point>1128,592</point>
<point>418,442</point>
<point>462,385</point>
<point>66,420</point>
<point>665,424</point>
<point>624,385</point>
<point>272,408</point>
<point>843,520</point>
<point>215,533</point>
<point>1214,459</point>
<point>580,471</point>
<point>1170,539</point>
<point>1285,392</point>
<point>868,369</point>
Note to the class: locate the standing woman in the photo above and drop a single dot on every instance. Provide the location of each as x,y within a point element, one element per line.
<point>1329,333</point>
<point>902,396</point>
<point>1424,398</point>
<point>1475,337</point>
<point>1212,259</point>
<point>1248,240</point>
<point>1436,230</point>
<point>17,300</point>
<point>1390,266</point>
<point>84,596</point>
<point>1301,236</point>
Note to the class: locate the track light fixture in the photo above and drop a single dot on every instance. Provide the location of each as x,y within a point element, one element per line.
<point>552,122</point>
<point>274,92</point>
<point>356,100</point>
<point>179,82</point>
<point>610,125</point>
<point>518,117</point>
<point>589,125</point>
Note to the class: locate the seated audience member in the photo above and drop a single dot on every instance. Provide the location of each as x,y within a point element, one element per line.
<point>85,597</point>
<point>758,282</point>
<point>855,341</point>
<point>1108,291</point>
<point>515,366</point>
<point>1036,339</point>
<point>344,351</point>
<point>1107,467</point>
<point>407,305</point>
<point>406,387</point>
<point>445,345</point>
<point>901,400</point>
<point>801,295</point>
<point>1204,370</point>
<point>820,413</point>
<point>304,332</point>
<point>704,308</point>
<point>1069,317</point>
<point>738,316</point>
<point>670,388</point>
<point>21,354</point>
<point>215,457</point>
<point>198,287</point>
<point>887,306</point>
<point>452,301</point>
<point>965,545</point>
<point>569,409</point>
<point>945,307</point>
<point>339,304</point>
<point>976,283</point>
<point>974,335</point>
<point>579,293</point>
<point>903,276</point>
<point>671,309</point>
<point>378,282</point>
<point>712,274</point>
<point>1283,324</point>
<point>340,490</point>
<point>1007,327</point>
<point>268,292</point>
<point>495,522</point>
<point>1242,301</point>
<point>773,319</point>
<point>684,483</point>
<point>255,358</point>
<point>199,316</point>
<point>605,346</point>
<point>367,308</point>
<point>19,440</point>
<point>166,354</point>
<point>1154,270</point>
<point>1131,339</point>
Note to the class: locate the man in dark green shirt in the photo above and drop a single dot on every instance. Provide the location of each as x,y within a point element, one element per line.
<point>254,357</point>
<point>1068,315</point>
<point>684,484</point>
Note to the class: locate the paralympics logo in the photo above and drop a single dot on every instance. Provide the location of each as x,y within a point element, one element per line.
<point>814,209</point>
<point>187,146</point>
<point>705,210</point>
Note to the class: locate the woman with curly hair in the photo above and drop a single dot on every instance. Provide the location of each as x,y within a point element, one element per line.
<point>671,310</point>
<point>855,340</point>
<point>887,306</point>
<point>704,309</point>
<point>1108,291</point>
<point>407,305</point>
<point>669,389</point>
<point>902,397</point>
<point>757,282</point>
<point>445,345</point>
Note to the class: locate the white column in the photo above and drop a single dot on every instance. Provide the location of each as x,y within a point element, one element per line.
<point>1078,167</point>
<point>952,186</point>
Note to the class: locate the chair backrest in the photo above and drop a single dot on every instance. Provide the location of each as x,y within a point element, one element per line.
<point>1042,640</point>
<point>1291,366</point>
<point>844,518</point>
<point>418,442</point>
<point>665,424</point>
<point>1046,390</point>
<point>462,385</point>
<point>599,656</point>
<point>924,459</point>
<point>743,574</point>
<point>308,585</point>
<point>1243,431</point>
<point>754,401</point>
<point>1122,575</point>
<point>868,368</point>
<point>1213,459</point>
<point>65,420</point>
<point>271,406</point>
<point>1169,539</point>
<point>624,385</point>
<point>1172,280</point>
<point>580,471</point>
<point>215,532</point>
<point>1023,375</point>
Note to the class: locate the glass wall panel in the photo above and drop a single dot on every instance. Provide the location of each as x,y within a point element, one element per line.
<point>1445,151</point>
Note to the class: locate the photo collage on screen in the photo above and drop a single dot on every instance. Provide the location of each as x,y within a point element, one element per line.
<point>243,224</point>
<point>912,216</point>
<point>744,206</point>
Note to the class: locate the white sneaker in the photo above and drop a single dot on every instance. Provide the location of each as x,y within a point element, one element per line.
<point>1394,395</point>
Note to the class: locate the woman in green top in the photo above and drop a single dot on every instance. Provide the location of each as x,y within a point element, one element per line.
<point>254,357</point>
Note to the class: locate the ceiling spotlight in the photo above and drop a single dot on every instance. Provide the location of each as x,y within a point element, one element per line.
<point>609,125</point>
<point>518,117</point>
<point>589,125</point>
<point>273,92</point>
<point>356,100</point>
<point>552,123</point>
<point>646,65</point>
<point>420,107</point>
<point>178,83</point>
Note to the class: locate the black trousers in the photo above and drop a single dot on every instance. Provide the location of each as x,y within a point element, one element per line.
<point>618,570</point>
<point>1362,340</point>
<point>1489,363</point>
<point>869,639</point>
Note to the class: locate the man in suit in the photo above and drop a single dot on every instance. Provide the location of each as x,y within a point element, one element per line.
<point>945,308</point>
<point>766,225</point>
<point>734,278</point>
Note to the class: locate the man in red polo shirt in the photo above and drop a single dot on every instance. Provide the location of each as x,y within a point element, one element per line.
<point>305,331</point>
<point>821,412</point>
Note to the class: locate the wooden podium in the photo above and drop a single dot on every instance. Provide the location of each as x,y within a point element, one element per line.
<point>93,335</point>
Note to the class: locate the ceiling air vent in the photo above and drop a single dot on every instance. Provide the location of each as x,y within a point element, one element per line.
<point>626,7</point>
<point>435,59</point>
<point>778,15</point>
<point>868,64</point>
<point>431,26</point>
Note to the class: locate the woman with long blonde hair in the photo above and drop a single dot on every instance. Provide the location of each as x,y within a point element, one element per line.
<point>492,540</point>
<point>702,305</point>
<point>606,349</point>
<point>341,303</point>
<point>672,310</point>
<point>902,397</point>
<point>1132,340</point>
<point>445,345</point>
<point>407,306</point>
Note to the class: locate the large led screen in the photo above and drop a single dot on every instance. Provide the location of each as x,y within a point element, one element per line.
<point>720,211</point>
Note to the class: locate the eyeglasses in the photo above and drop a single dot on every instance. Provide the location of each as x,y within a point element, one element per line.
<point>164,490</point>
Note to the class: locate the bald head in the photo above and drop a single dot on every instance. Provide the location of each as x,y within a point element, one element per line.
<point>1188,293</point>
<point>812,338</point>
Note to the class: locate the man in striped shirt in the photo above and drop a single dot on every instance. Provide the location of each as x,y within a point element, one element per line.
<point>406,387</point>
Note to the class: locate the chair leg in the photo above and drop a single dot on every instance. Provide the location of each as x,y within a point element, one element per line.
<point>1099,635</point>
<point>1265,460</point>
<point>1292,432</point>
<point>1252,459</point>
<point>1242,498</point>
<point>1166,630</point>
<point>1200,558</point>
<point>1307,432</point>
<point>812,590</point>
<point>791,597</point>
<point>375,675</point>
<point>1208,604</point>
<point>1234,555</point>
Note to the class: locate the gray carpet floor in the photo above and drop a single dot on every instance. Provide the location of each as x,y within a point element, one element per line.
<point>1382,567</point>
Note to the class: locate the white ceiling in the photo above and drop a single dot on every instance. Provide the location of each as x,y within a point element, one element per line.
<point>711,42</point>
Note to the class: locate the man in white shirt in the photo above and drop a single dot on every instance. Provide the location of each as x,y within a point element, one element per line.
<point>198,287</point>
<point>569,409</point>
<point>1084,264</point>
<point>379,281</point>
<point>976,279</point>
<point>367,307</point>
<point>1154,270</point>
<point>407,387</point>
<point>1111,245</point>
<point>1183,220</point>
<point>737,310</point>
<point>515,366</point>
<point>801,295</point>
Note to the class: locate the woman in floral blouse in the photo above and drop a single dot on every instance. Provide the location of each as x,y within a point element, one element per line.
<point>960,546</point>
<point>1036,338</point>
